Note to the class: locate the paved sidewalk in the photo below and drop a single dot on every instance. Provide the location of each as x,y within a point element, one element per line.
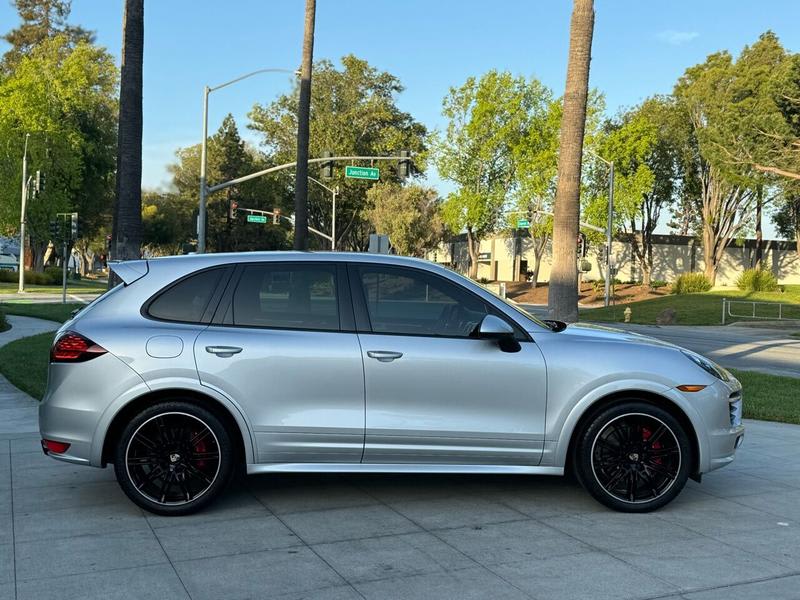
<point>18,411</point>
<point>70,533</point>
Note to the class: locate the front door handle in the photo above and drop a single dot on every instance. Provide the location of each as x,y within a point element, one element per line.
<point>384,355</point>
<point>223,351</point>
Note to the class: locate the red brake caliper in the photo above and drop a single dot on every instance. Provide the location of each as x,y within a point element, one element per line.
<point>200,447</point>
<point>646,433</point>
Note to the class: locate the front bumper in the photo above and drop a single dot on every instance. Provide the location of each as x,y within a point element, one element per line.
<point>720,407</point>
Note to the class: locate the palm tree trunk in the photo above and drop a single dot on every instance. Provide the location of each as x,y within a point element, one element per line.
<point>127,226</point>
<point>563,288</point>
<point>303,112</point>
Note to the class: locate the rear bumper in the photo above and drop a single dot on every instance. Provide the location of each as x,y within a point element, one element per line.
<point>77,397</point>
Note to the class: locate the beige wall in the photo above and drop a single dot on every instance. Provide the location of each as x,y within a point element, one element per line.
<point>669,260</point>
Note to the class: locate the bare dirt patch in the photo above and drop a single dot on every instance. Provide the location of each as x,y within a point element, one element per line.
<point>624,293</point>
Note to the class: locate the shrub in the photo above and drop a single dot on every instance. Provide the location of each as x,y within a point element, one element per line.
<point>51,276</point>
<point>600,284</point>
<point>691,283</point>
<point>3,323</point>
<point>658,283</point>
<point>757,280</point>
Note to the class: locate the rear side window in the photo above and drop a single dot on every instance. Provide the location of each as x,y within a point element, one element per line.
<point>187,300</point>
<point>292,296</point>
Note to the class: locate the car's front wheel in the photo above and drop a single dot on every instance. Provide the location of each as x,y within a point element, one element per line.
<point>633,457</point>
<point>173,458</point>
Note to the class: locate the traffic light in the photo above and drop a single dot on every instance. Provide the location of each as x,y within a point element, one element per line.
<point>74,229</point>
<point>404,164</point>
<point>327,167</point>
<point>232,208</point>
<point>54,230</point>
<point>581,245</point>
<point>276,216</point>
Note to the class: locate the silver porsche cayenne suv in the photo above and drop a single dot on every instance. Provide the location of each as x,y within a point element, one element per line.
<point>199,367</point>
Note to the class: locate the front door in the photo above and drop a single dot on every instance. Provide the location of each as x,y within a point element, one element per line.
<point>281,354</point>
<point>435,394</point>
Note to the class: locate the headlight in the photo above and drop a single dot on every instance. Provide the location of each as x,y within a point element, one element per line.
<point>707,366</point>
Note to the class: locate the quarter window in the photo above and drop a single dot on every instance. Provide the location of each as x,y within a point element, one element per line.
<point>404,301</point>
<point>287,297</point>
<point>187,300</point>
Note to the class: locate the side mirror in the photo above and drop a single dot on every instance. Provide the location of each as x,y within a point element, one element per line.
<point>494,328</point>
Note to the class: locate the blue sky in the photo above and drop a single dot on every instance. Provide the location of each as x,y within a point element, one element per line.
<point>640,48</point>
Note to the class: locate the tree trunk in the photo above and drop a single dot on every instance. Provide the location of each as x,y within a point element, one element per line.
<point>473,254</point>
<point>563,290</point>
<point>538,250</point>
<point>303,112</point>
<point>127,226</point>
<point>709,256</point>
<point>759,233</point>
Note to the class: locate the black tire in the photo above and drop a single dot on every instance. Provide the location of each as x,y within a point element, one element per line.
<point>633,457</point>
<point>174,458</point>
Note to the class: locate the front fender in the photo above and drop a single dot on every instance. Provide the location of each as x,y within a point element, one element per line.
<point>562,430</point>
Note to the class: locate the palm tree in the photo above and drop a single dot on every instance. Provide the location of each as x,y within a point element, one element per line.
<point>303,112</point>
<point>127,226</point>
<point>563,289</point>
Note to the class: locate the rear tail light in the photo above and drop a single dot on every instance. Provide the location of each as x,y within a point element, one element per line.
<point>54,447</point>
<point>73,347</point>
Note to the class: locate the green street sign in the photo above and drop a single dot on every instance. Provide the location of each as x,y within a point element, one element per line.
<point>523,224</point>
<point>256,218</point>
<point>362,173</point>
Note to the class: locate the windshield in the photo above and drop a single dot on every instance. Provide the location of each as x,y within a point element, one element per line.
<point>510,303</point>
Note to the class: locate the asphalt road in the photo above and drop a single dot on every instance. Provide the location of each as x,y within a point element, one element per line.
<point>733,346</point>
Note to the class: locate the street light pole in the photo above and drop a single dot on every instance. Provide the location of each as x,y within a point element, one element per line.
<point>334,192</point>
<point>201,213</point>
<point>609,241</point>
<point>22,219</point>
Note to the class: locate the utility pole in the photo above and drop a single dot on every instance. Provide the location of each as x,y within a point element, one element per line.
<point>303,115</point>
<point>22,219</point>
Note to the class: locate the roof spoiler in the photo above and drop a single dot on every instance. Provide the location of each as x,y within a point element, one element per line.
<point>129,270</point>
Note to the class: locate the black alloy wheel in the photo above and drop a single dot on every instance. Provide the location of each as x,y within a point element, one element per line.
<point>173,458</point>
<point>634,457</point>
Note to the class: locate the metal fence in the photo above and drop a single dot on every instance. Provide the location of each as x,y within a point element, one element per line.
<point>768,311</point>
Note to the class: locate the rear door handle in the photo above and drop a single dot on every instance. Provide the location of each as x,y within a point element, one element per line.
<point>223,351</point>
<point>384,355</point>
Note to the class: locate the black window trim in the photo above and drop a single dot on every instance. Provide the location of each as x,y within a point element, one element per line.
<point>223,315</point>
<point>211,306</point>
<point>364,324</point>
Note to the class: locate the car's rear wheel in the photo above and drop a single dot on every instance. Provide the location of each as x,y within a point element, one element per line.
<point>633,457</point>
<point>173,458</point>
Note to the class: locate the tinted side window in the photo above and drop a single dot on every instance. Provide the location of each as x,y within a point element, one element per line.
<point>287,296</point>
<point>413,302</point>
<point>188,299</point>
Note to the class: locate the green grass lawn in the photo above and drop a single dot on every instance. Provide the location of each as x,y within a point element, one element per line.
<point>84,286</point>
<point>770,397</point>
<point>24,363</point>
<point>700,309</point>
<point>51,312</point>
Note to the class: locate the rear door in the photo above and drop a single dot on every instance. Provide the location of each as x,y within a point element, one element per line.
<point>283,346</point>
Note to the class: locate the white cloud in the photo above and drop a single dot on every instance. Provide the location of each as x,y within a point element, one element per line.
<point>676,38</point>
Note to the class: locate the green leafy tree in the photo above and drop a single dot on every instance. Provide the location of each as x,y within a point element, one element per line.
<point>408,215</point>
<point>167,222</point>
<point>354,112</point>
<point>228,158</point>
<point>487,119</point>
<point>41,20</point>
<point>646,157</point>
<point>65,97</point>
